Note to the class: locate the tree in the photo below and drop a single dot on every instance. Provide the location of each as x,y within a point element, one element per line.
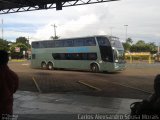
<point>141,46</point>
<point>23,40</point>
<point>127,45</point>
<point>140,43</point>
<point>152,47</point>
<point>4,45</point>
<point>14,53</point>
<point>129,40</point>
<point>54,37</point>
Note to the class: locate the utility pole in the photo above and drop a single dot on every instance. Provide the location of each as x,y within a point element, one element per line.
<point>55,36</point>
<point>28,39</point>
<point>2,28</point>
<point>158,48</point>
<point>126,30</point>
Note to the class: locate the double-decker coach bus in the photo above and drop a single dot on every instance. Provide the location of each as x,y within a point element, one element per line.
<point>95,53</point>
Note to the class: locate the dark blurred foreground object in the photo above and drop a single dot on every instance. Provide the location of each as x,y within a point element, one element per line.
<point>8,85</point>
<point>150,106</point>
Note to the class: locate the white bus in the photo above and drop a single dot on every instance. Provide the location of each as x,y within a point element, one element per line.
<point>95,53</point>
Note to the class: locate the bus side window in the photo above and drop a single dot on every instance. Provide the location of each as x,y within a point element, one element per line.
<point>35,44</point>
<point>92,56</point>
<point>90,42</point>
<point>56,56</point>
<point>68,43</point>
<point>68,56</point>
<point>50,44</point>
<point>76,56</point>
<point>79,42</point>
<point>103,41</point>
<point>59,43</point>
<point>62,56</point>
<point>43,44</point>
<point>84,56</point>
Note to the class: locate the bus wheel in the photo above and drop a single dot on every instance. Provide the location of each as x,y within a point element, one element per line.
<point>43,66</point>
<point>50,66</point>
<point>94,68</point>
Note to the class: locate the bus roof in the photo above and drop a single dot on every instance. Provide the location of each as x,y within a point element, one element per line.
<point>78,37</point>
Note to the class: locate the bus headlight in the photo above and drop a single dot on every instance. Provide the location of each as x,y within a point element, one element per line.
<point>116,60</point>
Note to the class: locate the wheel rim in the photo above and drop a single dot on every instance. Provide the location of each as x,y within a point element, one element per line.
<point>43,66</point>
<point>50,66</point>
<point>94,68</point>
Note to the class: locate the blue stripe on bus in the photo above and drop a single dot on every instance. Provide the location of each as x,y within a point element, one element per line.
<point>79,49</point>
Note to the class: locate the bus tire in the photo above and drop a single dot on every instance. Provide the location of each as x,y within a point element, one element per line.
<point>43,66</point>
<point>94,68</point>
<point>50,66</point>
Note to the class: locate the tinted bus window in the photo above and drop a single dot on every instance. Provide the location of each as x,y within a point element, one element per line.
<point>92,56</point>
<point>35,44</point>
<point>79,42</point>
<point>84,56</point>
<point>43,44</point>
<point>50,44</point>
<point>59,43</point>
<point>116,44</point>
<point>103,41</point>
<point>68,56</point>
<point>68,43</point>
<point>75,56</point>
<point>56,56</point>
<point>90,42</point>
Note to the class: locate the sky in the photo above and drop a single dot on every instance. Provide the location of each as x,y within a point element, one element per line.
<point>109,18</point>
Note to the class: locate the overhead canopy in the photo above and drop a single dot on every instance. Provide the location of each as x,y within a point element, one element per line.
<point>12,6</point>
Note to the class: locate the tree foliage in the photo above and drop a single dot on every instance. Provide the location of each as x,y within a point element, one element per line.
<point>54,37</point>
<point>24,41</point>
<point>23,44</point>
<point>127,44</point>
<point>4,45</point>
<point>140,46</point>
<point>15,54</point>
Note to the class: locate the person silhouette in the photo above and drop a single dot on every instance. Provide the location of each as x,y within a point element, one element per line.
<point>9,83</point>
<point>154,100</point>
<point>151,105</point>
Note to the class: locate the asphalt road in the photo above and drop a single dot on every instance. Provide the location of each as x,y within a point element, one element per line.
<point>134,82</point>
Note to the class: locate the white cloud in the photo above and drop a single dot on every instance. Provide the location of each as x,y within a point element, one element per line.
<point>75,27</point>
<point>141,16</point>
<point>71,28</point>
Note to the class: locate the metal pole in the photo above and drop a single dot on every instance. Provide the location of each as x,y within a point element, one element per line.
<point>2,28</point>
<point>55,31</point>
<point>158,47</point>
<point>55,35</point>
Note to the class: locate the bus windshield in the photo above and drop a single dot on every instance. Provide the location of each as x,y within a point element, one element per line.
<point>115,42</point>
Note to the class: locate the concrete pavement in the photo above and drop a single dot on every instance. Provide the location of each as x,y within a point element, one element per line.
<point>36,106</point>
